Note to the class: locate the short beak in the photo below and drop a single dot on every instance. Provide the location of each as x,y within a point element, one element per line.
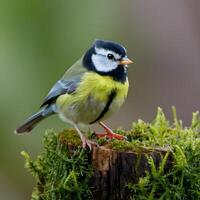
<point>125,61</point>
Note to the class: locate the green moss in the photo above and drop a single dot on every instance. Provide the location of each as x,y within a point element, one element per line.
<point>183,180</point>
<point>63,170</point>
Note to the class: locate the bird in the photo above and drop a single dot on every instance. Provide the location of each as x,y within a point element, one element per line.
<point>90,91</point>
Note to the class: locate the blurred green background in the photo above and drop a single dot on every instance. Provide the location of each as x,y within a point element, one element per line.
<point>39,39</point>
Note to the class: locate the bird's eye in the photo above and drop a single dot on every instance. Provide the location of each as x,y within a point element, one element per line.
<point>110,56</point>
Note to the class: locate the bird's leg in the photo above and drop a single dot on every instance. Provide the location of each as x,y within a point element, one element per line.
<point>109,133</point>
<point>85,141</point>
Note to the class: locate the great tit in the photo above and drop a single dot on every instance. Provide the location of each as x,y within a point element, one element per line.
<point>89,91</point>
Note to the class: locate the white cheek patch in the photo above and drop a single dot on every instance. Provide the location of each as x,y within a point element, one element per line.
<point>105,52</point>
<point>103,64</point>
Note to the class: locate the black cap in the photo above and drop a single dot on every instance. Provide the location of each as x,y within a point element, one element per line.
<point>109,45</point>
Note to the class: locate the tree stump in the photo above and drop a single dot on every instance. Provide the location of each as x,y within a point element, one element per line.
<point>160,161</point>
<point>113,170</point>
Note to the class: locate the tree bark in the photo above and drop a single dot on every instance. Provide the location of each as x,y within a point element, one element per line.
<point>113,170</point>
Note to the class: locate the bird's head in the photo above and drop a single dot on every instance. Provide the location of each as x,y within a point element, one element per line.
<point>107,58</point>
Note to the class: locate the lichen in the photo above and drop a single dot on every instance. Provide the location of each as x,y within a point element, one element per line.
<point>64,170</point>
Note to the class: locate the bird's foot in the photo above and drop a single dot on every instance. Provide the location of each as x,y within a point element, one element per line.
<point>109,133</point>
<point>89,143</point>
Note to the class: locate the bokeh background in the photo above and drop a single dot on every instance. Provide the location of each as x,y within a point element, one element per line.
<point>39,39</point>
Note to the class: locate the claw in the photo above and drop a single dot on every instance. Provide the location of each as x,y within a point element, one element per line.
<point>89,143</point>
<point>110,134</point>
<point>116,136</point>
<point>85,141</point>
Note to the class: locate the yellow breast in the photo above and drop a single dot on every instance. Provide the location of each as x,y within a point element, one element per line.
<point>91,97</point>
<point>101,86</point>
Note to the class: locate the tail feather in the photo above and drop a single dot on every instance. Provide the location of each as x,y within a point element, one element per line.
<point>32,121</point>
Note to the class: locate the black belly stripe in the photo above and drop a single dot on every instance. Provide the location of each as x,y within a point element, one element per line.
<point>104,111</point>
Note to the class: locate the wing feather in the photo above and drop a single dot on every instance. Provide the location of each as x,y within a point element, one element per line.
<point>67,84</point>
<point>61,87</point>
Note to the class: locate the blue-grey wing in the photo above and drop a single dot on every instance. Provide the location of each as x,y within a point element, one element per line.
<point>61,87</point>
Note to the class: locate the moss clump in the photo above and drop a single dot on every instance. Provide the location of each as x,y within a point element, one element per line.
<point>64,170</point>
<point>61,171</point>
<point>183,180</point>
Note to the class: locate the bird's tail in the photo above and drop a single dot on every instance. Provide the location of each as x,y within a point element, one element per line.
<point>32,121</point>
